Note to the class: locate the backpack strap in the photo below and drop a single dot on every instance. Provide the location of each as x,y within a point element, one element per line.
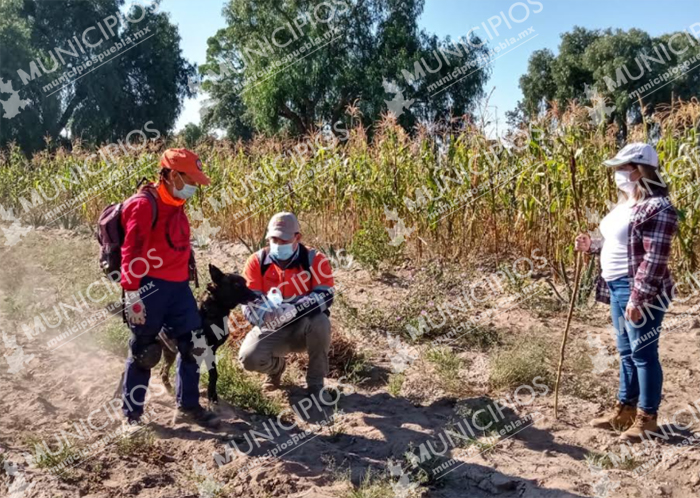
<point>306,257</point>
<point>262,256</point>
<point>147,193</point>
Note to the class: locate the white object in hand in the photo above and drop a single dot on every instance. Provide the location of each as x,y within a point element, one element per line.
<point>134,309</point>
<point>275,297</point>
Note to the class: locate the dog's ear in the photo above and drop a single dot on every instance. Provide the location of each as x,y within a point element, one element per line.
<point>216,274</point>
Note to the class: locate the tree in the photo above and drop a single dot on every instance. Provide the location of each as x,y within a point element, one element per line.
<point>620,66</point>
<point>289,66</point>
<point>191,134</point>
<point>144,78</point>
<point>538,84</point>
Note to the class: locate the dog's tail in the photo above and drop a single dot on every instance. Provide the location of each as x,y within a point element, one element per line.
<point>167,342</point>
<point>118,392</point>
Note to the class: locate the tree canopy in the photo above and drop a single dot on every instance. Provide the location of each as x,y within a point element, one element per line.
<point>623,67</point>
<point>43,45</point>
<point>288,66</point>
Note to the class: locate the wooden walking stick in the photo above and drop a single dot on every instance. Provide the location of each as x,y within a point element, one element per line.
<point>577,281</point>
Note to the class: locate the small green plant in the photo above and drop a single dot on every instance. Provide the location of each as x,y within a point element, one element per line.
<point>599,460</point>
<point>520,362</point>
<point>373,485</point>
<point>395,384</point>
<point>239,388</point>
<point>336,428</point>
<point>447,364</point>
<point>139,443</point>
<point>355,369</point>
<point>57,460</point>
<point>604,461</point>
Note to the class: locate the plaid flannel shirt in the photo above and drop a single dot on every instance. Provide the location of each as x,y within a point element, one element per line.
<point>652,227</point>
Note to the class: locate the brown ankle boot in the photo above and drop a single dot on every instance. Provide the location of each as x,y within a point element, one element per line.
<point>620,418</point>
<point>643,423</point>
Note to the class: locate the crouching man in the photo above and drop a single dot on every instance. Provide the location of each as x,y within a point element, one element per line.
<point>300,323</point>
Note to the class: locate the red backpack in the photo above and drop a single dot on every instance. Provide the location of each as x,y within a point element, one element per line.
<point>110,234</point>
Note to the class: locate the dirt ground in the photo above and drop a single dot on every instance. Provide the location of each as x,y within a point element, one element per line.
<point>361,451</point>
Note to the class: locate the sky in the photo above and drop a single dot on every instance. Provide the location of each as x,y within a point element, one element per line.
<point>200,19</point>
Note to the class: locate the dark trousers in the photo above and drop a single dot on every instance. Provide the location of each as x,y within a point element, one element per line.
<point>171,307</point>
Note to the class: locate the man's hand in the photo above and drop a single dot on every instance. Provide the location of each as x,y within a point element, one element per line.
<point>633,313</point>
<point>289,312</point>
<point>582,243</point>
<point>280,315</point>
<point>134,309</point>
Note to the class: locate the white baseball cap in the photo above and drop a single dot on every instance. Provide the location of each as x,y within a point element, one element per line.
<point>637,153</point>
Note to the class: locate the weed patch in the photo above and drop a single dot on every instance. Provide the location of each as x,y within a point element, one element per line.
<point>520,362</point>
<point>239,388</point>
<point>447,364</point>
<point>395,384</point>
<point>56,460</point>
<point>141,443</point>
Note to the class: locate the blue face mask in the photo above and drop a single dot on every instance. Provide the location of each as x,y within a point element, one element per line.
<point>186,191</point>
<point>281,252</point>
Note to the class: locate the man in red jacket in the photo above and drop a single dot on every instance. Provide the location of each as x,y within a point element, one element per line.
<point>304,279</point>
<point>155,274</point>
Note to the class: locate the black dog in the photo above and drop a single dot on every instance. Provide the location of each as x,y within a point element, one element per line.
<point>224,293</point>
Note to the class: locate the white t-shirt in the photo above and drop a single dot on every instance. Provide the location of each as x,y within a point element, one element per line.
<point>615,231</point>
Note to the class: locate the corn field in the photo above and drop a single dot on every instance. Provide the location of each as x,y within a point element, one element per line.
<point>447,195</point>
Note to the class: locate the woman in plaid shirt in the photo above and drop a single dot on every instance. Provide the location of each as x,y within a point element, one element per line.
<point>635,280</point>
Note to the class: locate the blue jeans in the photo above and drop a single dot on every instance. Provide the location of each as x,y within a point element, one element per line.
<point>170,306</point>
<point>641,377</point>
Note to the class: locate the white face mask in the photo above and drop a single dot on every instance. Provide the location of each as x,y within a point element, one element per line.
<point>186,191</point>
<point>623,182</point>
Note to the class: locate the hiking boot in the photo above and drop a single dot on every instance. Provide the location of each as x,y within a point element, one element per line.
<point>274,381</point>
<point>196,415</point>
<point>620,418</point>
<point>643,423</point>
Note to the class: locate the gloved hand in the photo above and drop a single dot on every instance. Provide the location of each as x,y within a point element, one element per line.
<point>280,315</point>
<point>303,300</point>
<point>304,305</point>
<point>289,312</point>
<point>134,309</point>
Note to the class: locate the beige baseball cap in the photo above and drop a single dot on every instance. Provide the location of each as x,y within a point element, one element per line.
<point>283,226</point>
